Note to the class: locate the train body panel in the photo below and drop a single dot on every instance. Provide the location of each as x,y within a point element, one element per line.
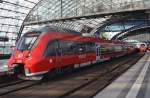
<point>40,52</point>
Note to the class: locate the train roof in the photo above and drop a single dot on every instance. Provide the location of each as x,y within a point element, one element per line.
<point>54,29</point>
<point>78,37</point>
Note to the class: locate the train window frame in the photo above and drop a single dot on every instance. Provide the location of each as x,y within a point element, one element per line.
<point>69,47</point>
<point>107,48</point>
<point>55,52</point>
<point>64,48</point>
<point>31,43</point>
<point>90,47</point>
<point>76,47</point>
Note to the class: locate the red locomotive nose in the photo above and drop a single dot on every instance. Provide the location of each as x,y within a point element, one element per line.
<point>20,57</point>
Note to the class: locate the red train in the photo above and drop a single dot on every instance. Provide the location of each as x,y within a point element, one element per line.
<point>42,52</point>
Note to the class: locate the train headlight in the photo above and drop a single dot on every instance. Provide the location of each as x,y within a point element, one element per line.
<point>28,55</point>
<point>4,67</point>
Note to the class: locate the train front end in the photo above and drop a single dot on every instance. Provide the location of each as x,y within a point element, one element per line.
<point>24,58</point>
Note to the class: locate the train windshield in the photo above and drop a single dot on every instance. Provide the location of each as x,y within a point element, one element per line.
<point>27,41</point>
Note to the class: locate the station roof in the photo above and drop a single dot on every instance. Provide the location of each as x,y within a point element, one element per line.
<point>12,14</point>
<point>141,34</point>
<point>18,16</point>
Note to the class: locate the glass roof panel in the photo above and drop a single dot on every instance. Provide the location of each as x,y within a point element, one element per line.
<point>12,14</point>
<point>55,9</point>
<point>49,10</point>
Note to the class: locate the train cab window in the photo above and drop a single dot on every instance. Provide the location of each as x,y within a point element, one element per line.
<point>28,41</point>
<point>52,49</point>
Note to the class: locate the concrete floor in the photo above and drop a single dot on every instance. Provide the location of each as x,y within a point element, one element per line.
<point>135,83</point>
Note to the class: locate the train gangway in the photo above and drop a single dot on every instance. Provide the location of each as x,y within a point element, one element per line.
<point>134,83</point>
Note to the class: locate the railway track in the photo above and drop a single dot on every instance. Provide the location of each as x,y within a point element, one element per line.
<point>15,86</point>
<point>15,82</point>
<point>100,81</point>
<point>83,83</point>
<point>7,79</point>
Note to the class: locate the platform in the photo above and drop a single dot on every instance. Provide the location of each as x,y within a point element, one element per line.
<point>134,83</point>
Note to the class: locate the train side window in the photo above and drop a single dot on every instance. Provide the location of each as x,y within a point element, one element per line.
<point>81,48</point>
<point>72,47</point>
<point>66,47</point>
<point>90,47</point>
<point>118,48</point>
<point>78,48</point>
<point>52,48</point>
<point>105,48</point>
<point>75,47</point>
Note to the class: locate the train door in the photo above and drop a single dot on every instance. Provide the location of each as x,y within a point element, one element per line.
<point>53,54</point>
<point>65,57</point>
<point>98,52</point>
<point>67,54</point>
<point>59,55</point>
